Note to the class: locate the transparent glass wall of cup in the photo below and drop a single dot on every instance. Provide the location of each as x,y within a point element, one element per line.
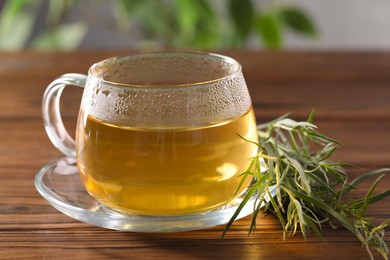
<point>158,133</point>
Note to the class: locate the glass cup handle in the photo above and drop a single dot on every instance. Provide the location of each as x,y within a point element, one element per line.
<point>54,126</point>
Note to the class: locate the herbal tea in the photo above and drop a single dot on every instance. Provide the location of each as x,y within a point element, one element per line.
<point>164,171</point>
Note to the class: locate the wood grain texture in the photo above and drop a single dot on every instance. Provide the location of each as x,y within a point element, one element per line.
<point>351,95</point>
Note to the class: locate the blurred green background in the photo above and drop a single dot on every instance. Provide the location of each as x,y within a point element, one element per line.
<point>149,24</point>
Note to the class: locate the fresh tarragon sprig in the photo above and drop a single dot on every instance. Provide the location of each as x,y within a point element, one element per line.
<point>310,190</point>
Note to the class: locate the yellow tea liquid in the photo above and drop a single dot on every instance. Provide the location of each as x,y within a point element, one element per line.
<point>164,171</point>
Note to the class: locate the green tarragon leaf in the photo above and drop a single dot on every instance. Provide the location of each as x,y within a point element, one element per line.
<point>297,20</point>
<point>269,28</point>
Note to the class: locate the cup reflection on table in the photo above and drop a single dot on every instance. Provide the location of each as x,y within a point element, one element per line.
<point>159,133</point>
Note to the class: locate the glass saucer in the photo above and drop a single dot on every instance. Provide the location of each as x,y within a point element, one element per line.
<point>59,183</point>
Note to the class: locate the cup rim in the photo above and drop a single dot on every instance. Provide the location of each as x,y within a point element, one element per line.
<point>166,53</point>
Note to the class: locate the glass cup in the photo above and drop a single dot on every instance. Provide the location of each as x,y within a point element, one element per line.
<point>158,134</point>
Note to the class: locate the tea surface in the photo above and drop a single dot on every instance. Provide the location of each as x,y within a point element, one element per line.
<point>164,171</point>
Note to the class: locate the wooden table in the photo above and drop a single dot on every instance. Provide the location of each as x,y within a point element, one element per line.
<point>351,95</point>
